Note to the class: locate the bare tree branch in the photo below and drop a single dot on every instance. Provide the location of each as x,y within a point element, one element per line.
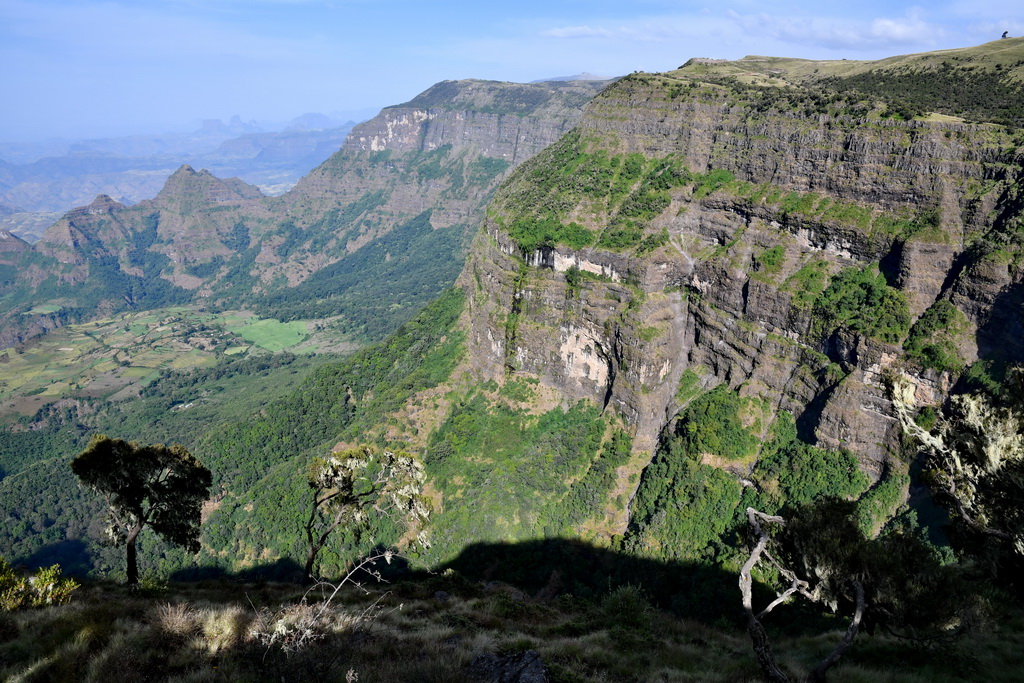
<point>758,637</point>
<point>818,675</point>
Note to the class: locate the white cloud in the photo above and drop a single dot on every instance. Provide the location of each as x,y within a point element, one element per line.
<point>661,29</point>
<point>577,32</point>
<point>880,33</point>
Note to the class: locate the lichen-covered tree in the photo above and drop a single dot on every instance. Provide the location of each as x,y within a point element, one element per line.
<point>145,486</point>
<point>895,582</point>
<point>974,464</point>
<point>346,487</point>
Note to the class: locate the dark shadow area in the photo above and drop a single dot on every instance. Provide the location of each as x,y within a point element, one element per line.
<point>287,570</point>
<point>73,556</point>
<point>543,569</point>
<point>284,569</point>
<point>807,421</point>
<point>1001,338</point>
<point>889,265</point>
<point>930,515</point>
<point>551,567</point>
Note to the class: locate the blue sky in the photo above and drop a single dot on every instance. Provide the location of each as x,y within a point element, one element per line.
<point>89,68</point>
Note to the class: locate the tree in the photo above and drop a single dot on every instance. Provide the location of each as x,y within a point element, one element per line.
<point>155,486</point>
<point>346,486</point>
<point>974,464</point>
<point>895,581</point>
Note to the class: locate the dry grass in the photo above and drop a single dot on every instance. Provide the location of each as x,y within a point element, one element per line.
<point>210,632</point>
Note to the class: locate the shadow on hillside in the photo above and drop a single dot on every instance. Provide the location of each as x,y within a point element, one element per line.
<point>1001,337</point>
<point>545,569</point>
<point>73,556</point>
<point>542,569</point>
<point>552,567</point>
<point>284,569</point>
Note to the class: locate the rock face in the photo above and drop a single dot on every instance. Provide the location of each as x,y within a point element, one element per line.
<point>728,290</point>
<point>523,667</point>
<point>11,248</point>
<point>425,153</point>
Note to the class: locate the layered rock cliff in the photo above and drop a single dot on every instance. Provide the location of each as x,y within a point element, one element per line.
<point>691,227</point>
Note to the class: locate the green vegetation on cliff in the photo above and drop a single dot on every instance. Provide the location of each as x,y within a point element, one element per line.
<point>628,189</point>
<point>862,301</point>
<point>933,338</point>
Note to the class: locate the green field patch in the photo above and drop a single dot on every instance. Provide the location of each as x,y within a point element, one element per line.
<point>193,359</point>
<point>99,357</point>
<point>44,309</point>
<point>104,365</point>
<point>151,377</point>
<point>55,389</point>
<point>270,334</point>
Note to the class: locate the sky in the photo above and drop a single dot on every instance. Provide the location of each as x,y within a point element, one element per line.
<point>89,68</point>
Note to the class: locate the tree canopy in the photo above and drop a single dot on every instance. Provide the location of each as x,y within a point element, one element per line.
<point>895,581</point>
<point>156,486</point>
<point>346,486</point>
<point>974,464</point>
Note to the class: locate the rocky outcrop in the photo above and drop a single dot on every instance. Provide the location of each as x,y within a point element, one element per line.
<point>11,248</point>
<point>187,190</point>
<point>521,667</point>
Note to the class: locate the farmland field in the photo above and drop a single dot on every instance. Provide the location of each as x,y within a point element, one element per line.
<point>113,357</point>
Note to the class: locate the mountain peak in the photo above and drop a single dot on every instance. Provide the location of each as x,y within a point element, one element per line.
<point>11,247</point>
<point>7,237</point>
<point>188,187</point>
<point>103,203</point>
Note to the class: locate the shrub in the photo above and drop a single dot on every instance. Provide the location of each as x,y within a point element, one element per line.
<point>932,339</point>
<point>862,301</point>
<point>533,233</point>
<point>770,260</point>
<point>627,606</point>
<point>45,587</point>
<point>711,424</point>
<point>807,283</point>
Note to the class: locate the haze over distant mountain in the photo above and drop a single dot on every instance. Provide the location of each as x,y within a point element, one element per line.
<point>585,76</point>
<point>401,196</point>
<point>39,180</point>
<point>133,168</point>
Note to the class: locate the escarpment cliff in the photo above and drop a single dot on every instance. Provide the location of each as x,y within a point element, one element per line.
<point>445,150</point>
<point>733,224</point>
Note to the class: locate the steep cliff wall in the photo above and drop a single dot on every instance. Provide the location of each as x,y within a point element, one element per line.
<point>715,213</point>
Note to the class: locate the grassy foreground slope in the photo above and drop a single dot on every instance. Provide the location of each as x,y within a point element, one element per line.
<point>406,632</point>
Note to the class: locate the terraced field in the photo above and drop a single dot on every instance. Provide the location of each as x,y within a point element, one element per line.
<point>112,357</point>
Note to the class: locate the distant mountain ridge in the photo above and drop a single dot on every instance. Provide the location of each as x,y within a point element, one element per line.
<point>221,241</point>
<point>135,169</point>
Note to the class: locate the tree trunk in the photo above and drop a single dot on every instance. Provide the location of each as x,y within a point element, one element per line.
<point>133,566</point>
<point>763,651</point>
<point>818,675</point>
<point>307,573</point>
